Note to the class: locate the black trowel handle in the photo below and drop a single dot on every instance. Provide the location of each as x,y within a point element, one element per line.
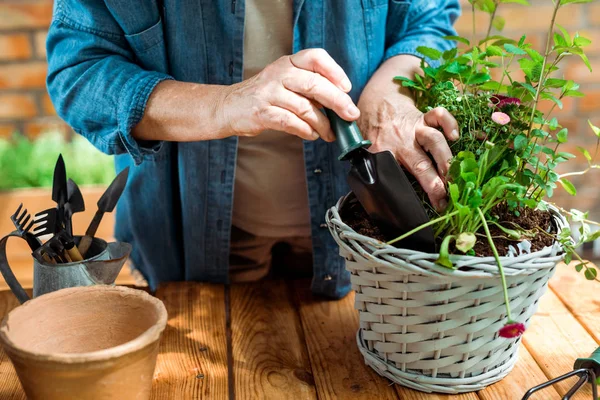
<point>347,134</point>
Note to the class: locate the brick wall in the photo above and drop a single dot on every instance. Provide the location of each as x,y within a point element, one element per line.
<point>25,106</point>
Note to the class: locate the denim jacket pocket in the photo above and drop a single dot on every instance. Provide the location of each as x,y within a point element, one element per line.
<point>374,12</point>
<point>149,48</point>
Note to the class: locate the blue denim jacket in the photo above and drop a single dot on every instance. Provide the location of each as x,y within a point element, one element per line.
<point>106,56</point>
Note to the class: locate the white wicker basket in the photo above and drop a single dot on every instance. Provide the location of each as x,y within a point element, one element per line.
<point>431,328</point>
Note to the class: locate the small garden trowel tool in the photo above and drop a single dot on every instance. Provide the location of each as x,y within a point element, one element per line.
<point>587,369</point>
<point>382,188</point>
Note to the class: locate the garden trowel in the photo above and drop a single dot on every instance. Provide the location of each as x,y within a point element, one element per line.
<point>382,188</point>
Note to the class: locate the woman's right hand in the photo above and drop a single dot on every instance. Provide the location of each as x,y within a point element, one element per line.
<point>286,96</point>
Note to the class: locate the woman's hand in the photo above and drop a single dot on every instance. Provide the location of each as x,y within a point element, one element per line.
<point>409,134</point>
<point>287,95</point>
<point>391,121</point>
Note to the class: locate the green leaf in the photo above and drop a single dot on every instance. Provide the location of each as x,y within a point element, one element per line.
<point>531,69</point>
<point>428,52</point>
<point>457,39</point>
<point>498,22</point>
<point>565,34</point>
<point>561,136</point>
<point>524,2</point>
<point>565,2</point>
<point>478,78</point>
<point>590,273</point>
<point>552,97</point>
<point>586,61</point>
<point>553,124</point>
<point>450,54</point>
<point>568,186</point>
<point>465,241</point>
<point>535,56</point>
<point>454,193</point>
<point>513,49</point>
<point>559,40</point>
<point>494,51</point>
<point>579,267</point>
<point>444,257</point>
<point>455,68</point>
<point>573,93</point>
<point>527,86</point>
<point>594,128</point>
<point>581,41</point>
<point>520,142</point>
<point>565,154</point>
<point>585,153</point>
<point>555,83</point>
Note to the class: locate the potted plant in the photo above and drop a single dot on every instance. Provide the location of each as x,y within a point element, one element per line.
<point>451,322</point>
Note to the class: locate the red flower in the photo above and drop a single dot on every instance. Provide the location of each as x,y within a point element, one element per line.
<point>502,101</point>
<point>512,330</point>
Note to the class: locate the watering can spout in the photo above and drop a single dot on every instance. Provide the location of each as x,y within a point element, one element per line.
<point>105,272</point>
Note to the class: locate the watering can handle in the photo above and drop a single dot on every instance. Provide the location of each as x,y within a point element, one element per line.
<point>347,134</point>
<point>592,362</point>
<point>7,273</point>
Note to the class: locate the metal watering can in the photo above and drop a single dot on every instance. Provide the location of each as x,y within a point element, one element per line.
<point>101,267</point>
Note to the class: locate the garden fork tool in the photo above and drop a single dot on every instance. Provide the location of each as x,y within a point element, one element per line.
<point>382,188</point>
<point>587,369</point>
<point>23,229</point>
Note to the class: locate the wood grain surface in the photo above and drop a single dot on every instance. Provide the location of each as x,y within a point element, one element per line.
<point>268,345</point>
<point>275,340</point>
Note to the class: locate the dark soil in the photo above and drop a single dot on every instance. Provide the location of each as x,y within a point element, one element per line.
<point>355,216</point>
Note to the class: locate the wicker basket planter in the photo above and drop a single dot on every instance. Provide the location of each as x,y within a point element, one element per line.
<point>431,328</point>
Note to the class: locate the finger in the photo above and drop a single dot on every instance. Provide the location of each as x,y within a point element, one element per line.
<point>440,117</point>
<point>307,111</point>
<point>319,89</point>
<point>283,120</point>
<point>424,171</point>
<point>434,142</point>
<point>319,61</point>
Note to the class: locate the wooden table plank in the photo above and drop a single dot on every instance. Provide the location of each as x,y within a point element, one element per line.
<point>525,375</point>
<point>192,360</point>
<point>579,296</point>
<point>10,387</point>
<point>338,367</point>
<point>270,359</point>
<point>555,339</point>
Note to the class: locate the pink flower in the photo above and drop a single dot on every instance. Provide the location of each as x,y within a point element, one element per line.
<point>500,118</point>
<point>503,101</point>
<point>512,330</point>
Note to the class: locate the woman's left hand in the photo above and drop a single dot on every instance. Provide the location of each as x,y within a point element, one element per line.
<point>398,126</point>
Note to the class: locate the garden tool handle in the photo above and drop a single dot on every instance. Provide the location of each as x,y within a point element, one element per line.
<point>592,362</point>
<point>347,135</point>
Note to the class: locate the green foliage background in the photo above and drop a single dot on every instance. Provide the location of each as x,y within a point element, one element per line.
<point>25,163</point>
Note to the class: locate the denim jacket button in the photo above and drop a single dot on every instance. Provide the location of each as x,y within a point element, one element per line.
<point>327,277</point>
<point>317,171</point>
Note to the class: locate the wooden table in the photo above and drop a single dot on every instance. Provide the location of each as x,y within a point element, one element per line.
<point>274,340</point>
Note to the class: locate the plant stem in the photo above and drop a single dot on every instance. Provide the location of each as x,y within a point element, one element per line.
<point>587,221</point>
<point>546,54</point>
<point>418,228</point>
<point>473,12</point>
<point>579,172</point>
<point>497,257</point>
<point>491,20</point>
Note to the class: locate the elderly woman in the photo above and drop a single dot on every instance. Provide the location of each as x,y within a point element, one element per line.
<point>215,104</point>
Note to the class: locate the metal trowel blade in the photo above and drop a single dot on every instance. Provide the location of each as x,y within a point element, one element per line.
<point>388,197</point>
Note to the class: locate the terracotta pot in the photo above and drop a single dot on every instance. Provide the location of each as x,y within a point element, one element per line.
<point>95,342</point>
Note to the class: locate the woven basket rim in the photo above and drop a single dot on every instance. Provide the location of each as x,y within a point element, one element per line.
<point>466,266</point>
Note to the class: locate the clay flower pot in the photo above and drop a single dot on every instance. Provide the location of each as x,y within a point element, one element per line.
<point>96,342</point>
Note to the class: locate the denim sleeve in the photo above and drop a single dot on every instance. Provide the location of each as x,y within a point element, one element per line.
<point>426,24</point>
<point>94,82</point>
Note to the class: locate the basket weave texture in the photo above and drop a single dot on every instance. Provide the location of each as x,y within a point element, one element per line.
<point>435,329</point>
